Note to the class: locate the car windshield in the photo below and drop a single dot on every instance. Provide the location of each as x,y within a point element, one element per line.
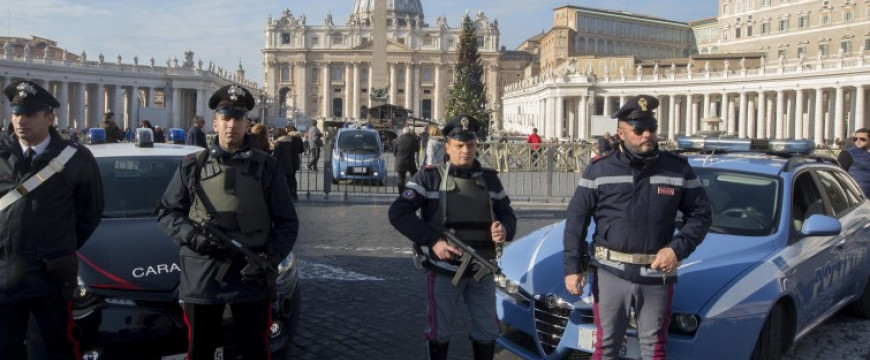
<point>358,141</point>
<point>743,204</point>
<point>133,186</point>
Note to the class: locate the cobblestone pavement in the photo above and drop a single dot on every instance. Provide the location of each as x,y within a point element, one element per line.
<point>362,297</point>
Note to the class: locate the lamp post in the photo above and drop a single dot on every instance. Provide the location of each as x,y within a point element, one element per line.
<point>264,101</point>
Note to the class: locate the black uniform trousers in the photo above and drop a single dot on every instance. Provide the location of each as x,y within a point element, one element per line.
<point>53,315</point>
<point>251,320</point>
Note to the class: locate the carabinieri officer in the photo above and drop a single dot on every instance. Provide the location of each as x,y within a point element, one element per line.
<point>634,194</point>
<point>469,199</point>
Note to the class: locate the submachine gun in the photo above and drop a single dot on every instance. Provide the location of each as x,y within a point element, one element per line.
<point>235,246</point>
<point>482,266</point>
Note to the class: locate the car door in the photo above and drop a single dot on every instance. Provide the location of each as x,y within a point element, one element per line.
<point>810,256</point>
<point>856,228</point>
<point>839,206</point>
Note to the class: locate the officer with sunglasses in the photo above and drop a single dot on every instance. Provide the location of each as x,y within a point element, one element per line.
<point>856,160</point>
<point>633,194</point>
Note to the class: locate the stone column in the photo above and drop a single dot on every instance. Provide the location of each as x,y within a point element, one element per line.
<point>436,96</point>
<point>583,111</point>
<point>176,108</point>
<point>301,89</point>
<point>369,85</point>
<point>81,115</point>
<point>860,120</point>
<point>118,105</point>
<point>409,88</point>
<point>100,109</point>
<point>607,108</point>
<point>780,114</point>
<point>355,112</point>
<point>839,115</point>
<point>134,108</point>
<point>819,117</point>
<point>418,90</point>
<point>560,117</point>
<point>393,99</point>
<point>751,112</point>
<point>327,98</point>
<point>672,120</point>
<point>741,129</point>
<point>800,131</point>
<point>696,122</point>
<point>622,100</point>
<point>347,112</point>
<point>760,118</point>
<point>706,105</point>
<point>723,114</point>
<point>688,116</point>
<point>63,116</point>
<point>150,98</point>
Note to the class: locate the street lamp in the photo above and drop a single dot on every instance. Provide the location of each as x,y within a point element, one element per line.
<point>264,101</point>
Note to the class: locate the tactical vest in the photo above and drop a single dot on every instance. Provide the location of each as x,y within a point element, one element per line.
<point>235,201</point>
<point>466,208</point>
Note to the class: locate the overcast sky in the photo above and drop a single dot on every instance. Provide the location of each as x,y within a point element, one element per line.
<point>229,31</point>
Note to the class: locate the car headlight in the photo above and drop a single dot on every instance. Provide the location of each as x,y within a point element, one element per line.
<point>686,323</point>
<point>83,296</point>
<point>511,288</point>
<point>288,263</point>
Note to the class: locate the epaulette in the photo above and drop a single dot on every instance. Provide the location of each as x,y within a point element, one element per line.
<point>430,167</point>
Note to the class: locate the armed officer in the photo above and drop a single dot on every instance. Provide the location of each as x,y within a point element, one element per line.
<point>244,193</point>
<point>51,201</point>
<point>469,200</point>
<point>634,194</point>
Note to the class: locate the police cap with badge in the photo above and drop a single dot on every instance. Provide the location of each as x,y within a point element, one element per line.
<point>462,128</point>
<point>232,100</point>
<point>638,112</point>
<point>28,97</point>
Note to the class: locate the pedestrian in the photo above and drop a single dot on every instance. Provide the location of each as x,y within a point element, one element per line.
<point>288,150</point>
<point>471,202</point>
<point>244,193</point>
<point>633,194</point>
<point>46,214</point>
<point>195,136</point>
<point>856,160</point>
<point>114,134</point>
<point>159,135</point>
<point>315,142</point>
<point>405,151</point>
<point>535,146</point>
<point>260,140</point>
<point>435,147</point>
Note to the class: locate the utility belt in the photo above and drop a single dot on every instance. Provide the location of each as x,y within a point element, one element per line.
<point>602,253</point>
<point>618,261</point>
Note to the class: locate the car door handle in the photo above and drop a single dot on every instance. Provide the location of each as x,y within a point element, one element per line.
<point>841,244</point>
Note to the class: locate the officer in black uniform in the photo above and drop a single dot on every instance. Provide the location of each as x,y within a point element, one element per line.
<point>244,193</point>
<point>634,194</point>
<point>45,216</point>
<point>468,199</point>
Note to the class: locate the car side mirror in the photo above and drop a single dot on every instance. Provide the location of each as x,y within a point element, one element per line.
<point>821,225</point>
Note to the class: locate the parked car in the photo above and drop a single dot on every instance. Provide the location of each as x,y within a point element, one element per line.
<point>358,155</point>
<point>787,249</point>
<point>126,305</point>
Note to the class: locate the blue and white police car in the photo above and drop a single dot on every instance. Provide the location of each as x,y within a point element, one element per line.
<point>787,249</point>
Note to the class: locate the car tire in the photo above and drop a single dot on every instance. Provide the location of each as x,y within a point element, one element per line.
<point>775,337</point>
<point>292,324</point>
<point>334,181</point>
<point>861,307</point>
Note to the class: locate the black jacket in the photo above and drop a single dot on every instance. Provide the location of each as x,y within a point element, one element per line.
<point>50,223</point>
<point>200,270</point>
<point>634,206</point>
<point>195,136</point>
<point>405,150</point>
<point>422,193</point>
<point>287,150</point>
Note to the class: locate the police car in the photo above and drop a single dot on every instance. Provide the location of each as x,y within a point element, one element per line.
<point>126,305</point>
<point>357,155</point>
<point>787,249</point>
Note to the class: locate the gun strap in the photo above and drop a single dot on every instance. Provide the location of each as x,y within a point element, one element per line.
<point>198,191</point>
<point>223,270</point>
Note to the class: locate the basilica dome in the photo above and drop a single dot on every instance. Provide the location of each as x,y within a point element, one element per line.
<point>363,10</point>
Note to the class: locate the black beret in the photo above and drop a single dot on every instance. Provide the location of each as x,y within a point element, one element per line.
<point>638,111</point>
<point>27,97</point>
<point>462,128</point>
<point>232,100</point>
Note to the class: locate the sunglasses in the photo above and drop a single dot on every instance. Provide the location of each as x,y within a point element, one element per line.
<point>640,130</point>
<point>862,139</point>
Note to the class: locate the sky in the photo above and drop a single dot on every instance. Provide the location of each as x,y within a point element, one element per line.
<point>229,32</point>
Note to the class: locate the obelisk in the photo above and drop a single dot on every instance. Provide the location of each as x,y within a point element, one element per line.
<point>380,82</point>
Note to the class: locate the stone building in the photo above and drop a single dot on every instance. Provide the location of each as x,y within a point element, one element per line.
<point>323,70</point>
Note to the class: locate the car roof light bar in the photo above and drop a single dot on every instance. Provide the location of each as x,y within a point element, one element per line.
<point>697,143</point>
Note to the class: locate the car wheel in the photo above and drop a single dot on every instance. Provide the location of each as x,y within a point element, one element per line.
<point>861,307</point>
<point>334,181</point>
<point>292,325</point>
<point>775,337</point>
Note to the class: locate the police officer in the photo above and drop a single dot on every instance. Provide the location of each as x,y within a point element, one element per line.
<point>45,216</point>
<point>468,199</point>
<point>634,194</point>
<point>243,193</point>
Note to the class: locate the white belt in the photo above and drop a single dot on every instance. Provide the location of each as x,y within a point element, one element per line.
<point>54,166</point>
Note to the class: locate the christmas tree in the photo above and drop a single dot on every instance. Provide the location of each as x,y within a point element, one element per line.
<point>468,96</point>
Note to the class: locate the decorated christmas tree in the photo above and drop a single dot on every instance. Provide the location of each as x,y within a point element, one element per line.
<point>468,95</point>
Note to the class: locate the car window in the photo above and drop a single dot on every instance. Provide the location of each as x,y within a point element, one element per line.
<point>853,192</point>
<point>806,201</point>
<point>834,192</point>
<point>358,141</point>
<point>133,186</point>
<point>742,204</point>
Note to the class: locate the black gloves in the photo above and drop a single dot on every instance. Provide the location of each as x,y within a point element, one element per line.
<point>205,245</point>
<point>255,274</point>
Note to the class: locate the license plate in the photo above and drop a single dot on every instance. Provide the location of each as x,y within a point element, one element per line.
<point>630,348</point>
<point>218,355</point>
<point>359,170</point>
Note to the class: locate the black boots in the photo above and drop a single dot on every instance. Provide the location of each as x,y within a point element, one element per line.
<point>438,351</point>
<point>483,350</point>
